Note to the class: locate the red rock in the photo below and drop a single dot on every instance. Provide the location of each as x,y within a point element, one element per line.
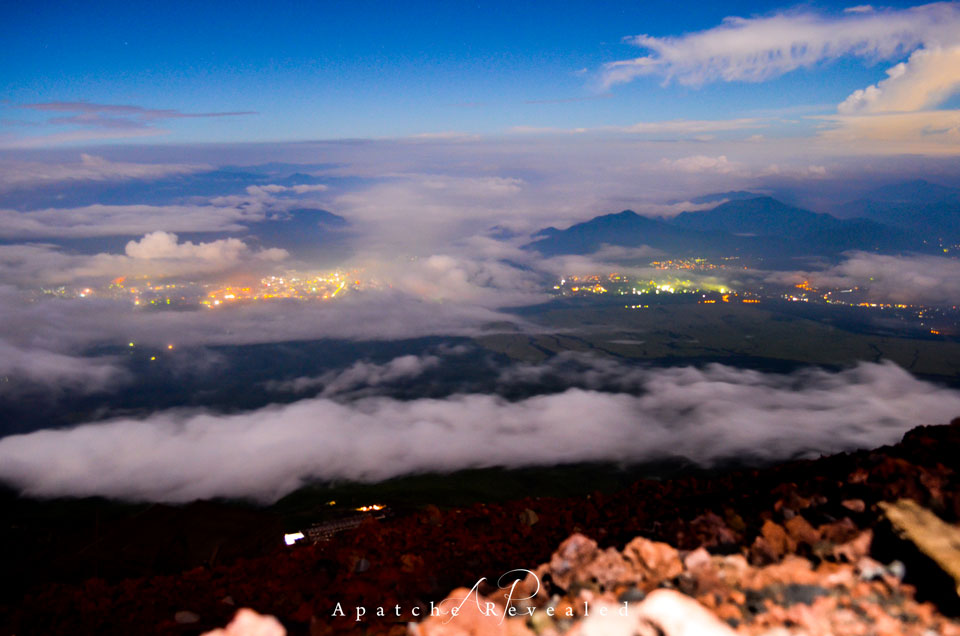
<point>800,530</point>
<point>839,531</point>
<point>777,538</point>
<point>712,530</point>
<point>185,617</point>
<point>852,551</point>
<point>529,517</point>
<point>411,563</point>
<point>858,476</point>
<point>575,552</point>
<point>652,560</point>
<point>697,559</point>
<point>854,505</point>
<point>792,569</point>
<point>761,552</point>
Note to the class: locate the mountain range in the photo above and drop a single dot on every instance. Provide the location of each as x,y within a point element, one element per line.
<point>754,226</point>
<point>918,206</point>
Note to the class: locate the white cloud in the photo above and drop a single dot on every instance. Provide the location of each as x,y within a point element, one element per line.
<point>360,376</point>
<point>761,48</point>
<point>922,133</point>
<point>931,280</point>
<point>417,210</point>
<point>50,369</point>
<point>164,245</point>
<point>271,189</point>
<point>693,126</point>
<point>709,415</point>
<point>89,168</point>
<point>702,163</point>
<point>459,279</point>
<point>802,172</point>
<point>926,80</point>
<point>157,254</point>
<point>677,127</point>
<point>758,49</point>
<point>121,220</point>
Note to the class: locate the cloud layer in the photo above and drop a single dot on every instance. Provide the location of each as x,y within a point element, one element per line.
<point>932,280</point>
<point>707,415</point>
<point>89,168</point>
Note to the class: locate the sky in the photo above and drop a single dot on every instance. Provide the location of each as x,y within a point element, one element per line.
<point>287,71</point>
<point>197,142</point>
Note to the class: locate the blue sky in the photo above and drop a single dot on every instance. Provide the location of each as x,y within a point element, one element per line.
<point>380,69</point>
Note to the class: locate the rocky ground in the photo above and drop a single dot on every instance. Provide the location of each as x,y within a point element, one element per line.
<point>650,588</point>
<point>797,548</point>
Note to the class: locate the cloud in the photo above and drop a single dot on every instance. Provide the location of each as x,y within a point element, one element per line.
<point>933,280</point>
<point>89,168</point>
<point>118,116</point>
<point>78,137</point>
<point>157,254</point>
<point>676,127</point>
<point>702,163</point>
<point>125,220</point>
<point>74,325</point>
<point>458,278</point>
<point>164,246</point>
<point>267,190</point>
<point>926,80</point>
<point>761,48</point>
<point>721,165</point>
<point>89,121</point>
<point>923,133</point>
<point>707,415</point>
<point>52,370</point>
<point>360,376</point>
<point>693,126</point>
<point>416,210</point>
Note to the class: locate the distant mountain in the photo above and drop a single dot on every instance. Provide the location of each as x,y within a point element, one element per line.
<point>919,192</point>
<point>501,233</point>
<point>757,227</point>
<point>629,229</point>
<point>303,232</point>
<point>757,216</point>
<point>819,233</point>
<point>929,209</point>
<point>298,178</point>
